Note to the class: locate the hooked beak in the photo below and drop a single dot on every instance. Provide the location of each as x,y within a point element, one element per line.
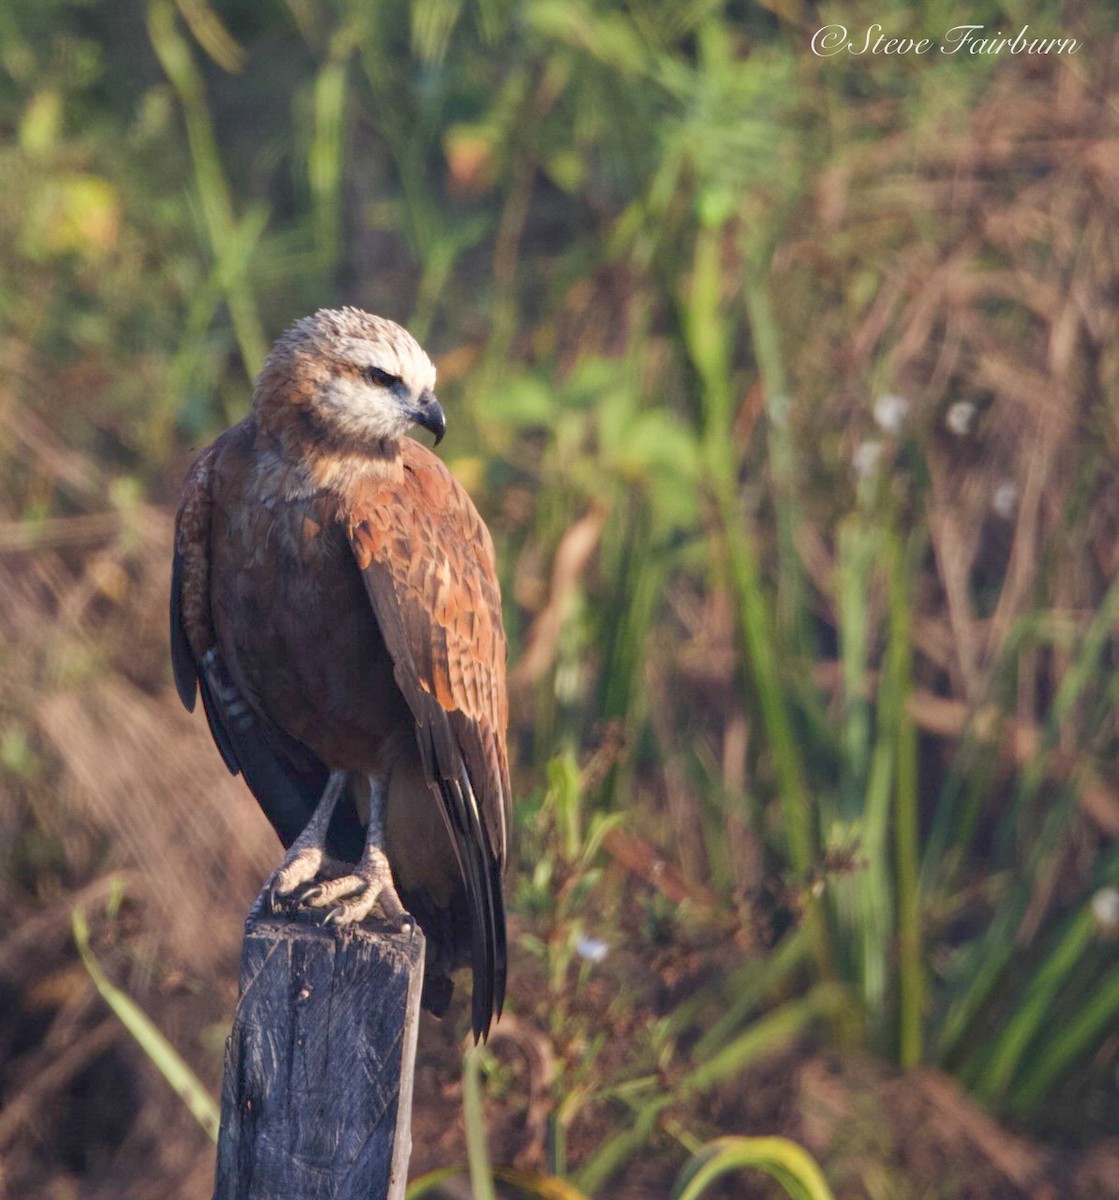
<point>430,415</point>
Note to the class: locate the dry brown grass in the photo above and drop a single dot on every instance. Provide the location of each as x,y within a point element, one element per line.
<point>994,238</point>
<point>107,778</point>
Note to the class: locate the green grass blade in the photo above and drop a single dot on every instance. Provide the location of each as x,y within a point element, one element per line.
<point>536,1183</point>
<point>758,636</point>
<point>431,1180</point>
<point>876,902</point>
<point>986,960</point>
<point>856,554</point>
<point>707,332</point>
<point>994,952</point>
<point>477,1151</point>
<point>768,1035</point>
<point>178,63</point>
<point>907,849</point>
<point>158,1049</point>
<point>1095,1015</point>
<point>1086,666</point>
<point>765,335</point>
<point>749,987</point>
<point>792,1166</point>
<point>1033,1009</point>
<point>615,1151</point>
<point>324,157</point>
<point>528,1183</point>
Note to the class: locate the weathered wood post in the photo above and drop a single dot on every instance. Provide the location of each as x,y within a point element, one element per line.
<point>317,1096</point>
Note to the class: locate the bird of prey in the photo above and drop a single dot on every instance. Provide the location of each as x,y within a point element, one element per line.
<point>334,599</point>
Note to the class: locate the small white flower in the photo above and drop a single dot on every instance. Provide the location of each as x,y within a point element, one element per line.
<point>1005,499</point>
<point>1105,910</point>
<point>890,412</point>
<point>866,458</point>
<point>594,950</point>
<point>961,417</point>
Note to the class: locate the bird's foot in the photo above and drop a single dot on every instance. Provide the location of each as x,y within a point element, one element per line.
<point>286,887</point>
<point>352,897</point>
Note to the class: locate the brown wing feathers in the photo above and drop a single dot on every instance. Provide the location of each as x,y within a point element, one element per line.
<point>283,775</point>
<point>428,569</point>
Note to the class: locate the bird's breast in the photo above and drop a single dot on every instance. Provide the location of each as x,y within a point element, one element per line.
<point>290,609</point>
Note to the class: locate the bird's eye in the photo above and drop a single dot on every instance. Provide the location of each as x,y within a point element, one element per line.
<point>381,378</point>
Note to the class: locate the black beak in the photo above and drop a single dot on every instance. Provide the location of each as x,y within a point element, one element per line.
<point>430,415</point>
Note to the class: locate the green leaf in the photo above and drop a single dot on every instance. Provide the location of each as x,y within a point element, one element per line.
<point>477,1151</point>
<point>164,1056</point>
<point>521,401</point>
<point>528,1183</point>
<point>792,1166</point>
<point>768,1035</point>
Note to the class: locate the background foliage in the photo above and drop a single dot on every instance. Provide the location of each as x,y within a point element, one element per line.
<point>787,385</point>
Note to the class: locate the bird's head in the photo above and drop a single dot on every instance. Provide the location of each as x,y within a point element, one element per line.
<point>351,378</point>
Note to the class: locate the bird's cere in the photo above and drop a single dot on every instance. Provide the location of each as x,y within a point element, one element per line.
<point>429,414</point>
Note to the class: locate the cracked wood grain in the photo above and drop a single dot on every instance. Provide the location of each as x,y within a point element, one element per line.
<point>317,1095</point>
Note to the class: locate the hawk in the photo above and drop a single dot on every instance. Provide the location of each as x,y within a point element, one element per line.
<point>335,601</point>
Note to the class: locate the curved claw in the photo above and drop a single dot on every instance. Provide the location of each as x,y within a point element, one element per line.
<point>307,894</point>
<point>274,901</point>
<point>351,898</point>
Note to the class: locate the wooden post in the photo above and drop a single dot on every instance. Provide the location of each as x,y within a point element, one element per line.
<point>317,1096</point>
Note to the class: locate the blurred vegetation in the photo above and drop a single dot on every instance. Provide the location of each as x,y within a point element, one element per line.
<point>787,385</point>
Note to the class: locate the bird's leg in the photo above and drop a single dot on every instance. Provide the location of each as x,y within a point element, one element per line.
<point>304,859</point>
<point>351,898</point>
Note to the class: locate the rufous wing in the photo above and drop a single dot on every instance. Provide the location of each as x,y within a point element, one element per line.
<point>427,561</point>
